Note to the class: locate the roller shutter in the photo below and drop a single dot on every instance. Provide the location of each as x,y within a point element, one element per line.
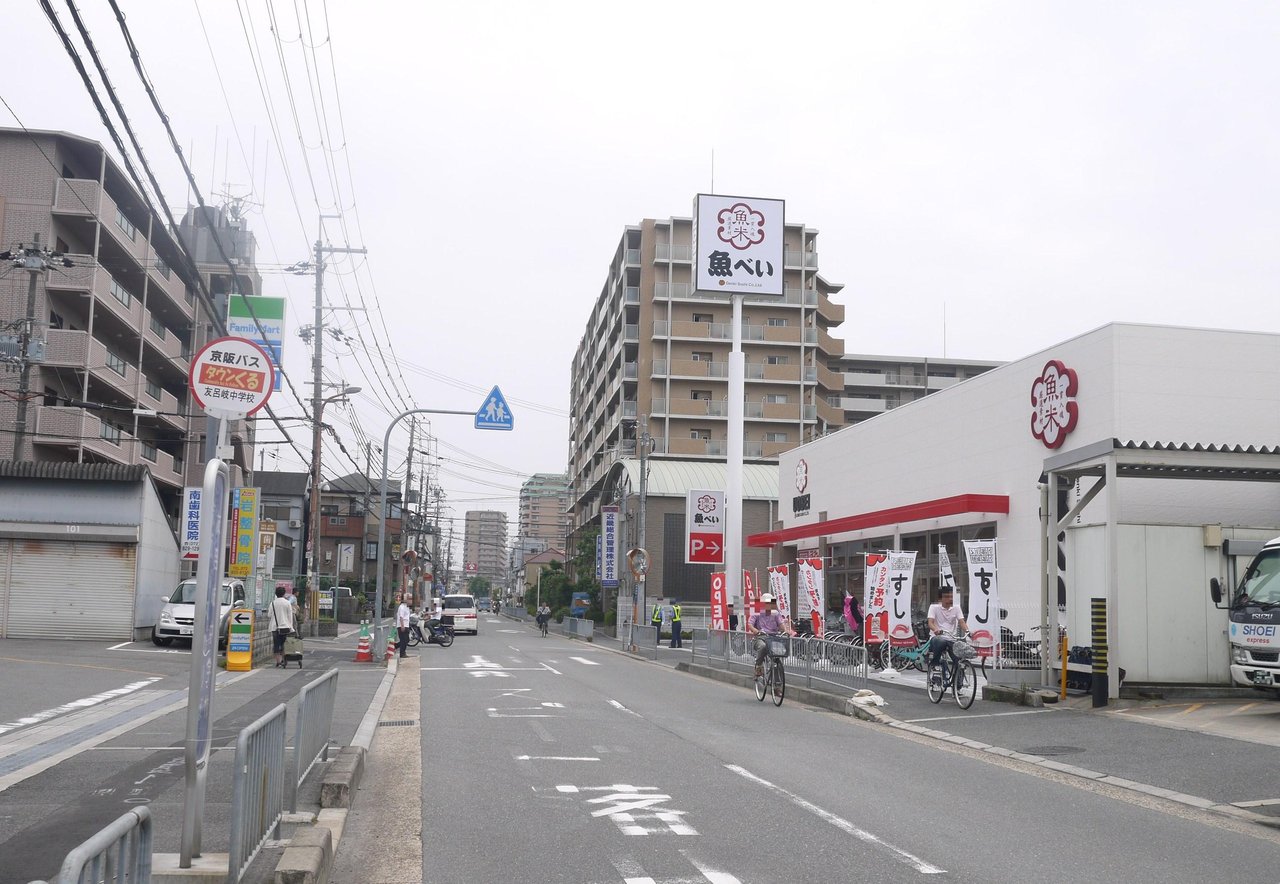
<point>69,589</point>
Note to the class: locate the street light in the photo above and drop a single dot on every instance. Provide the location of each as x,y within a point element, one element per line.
<point>313,583</point>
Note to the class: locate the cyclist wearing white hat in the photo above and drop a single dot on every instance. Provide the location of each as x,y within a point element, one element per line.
<point>767,622</point>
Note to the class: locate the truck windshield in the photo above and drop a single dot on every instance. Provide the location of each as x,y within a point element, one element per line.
<point>1261,584</point>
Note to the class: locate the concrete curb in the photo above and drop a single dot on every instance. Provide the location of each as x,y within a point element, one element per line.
<point>868,712</point>
<point>309,857</point>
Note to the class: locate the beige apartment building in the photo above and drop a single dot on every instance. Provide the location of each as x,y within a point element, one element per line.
<point>544,511</point>
<point>484,545</point>
<point>118,325</point>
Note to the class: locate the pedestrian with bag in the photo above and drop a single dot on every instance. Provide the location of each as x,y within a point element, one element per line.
<point>281,624</point>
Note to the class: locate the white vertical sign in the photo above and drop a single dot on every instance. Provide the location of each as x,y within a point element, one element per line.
<point>738,244</point>
<point>609,550</point>
<point>946,579</point>
<point>810,580</point>
<point>191,522</point>
<point>704,515</point>
<point>780,586</point>
<point>902,566</point>
<point>876,624</point>
<point>984,592</point>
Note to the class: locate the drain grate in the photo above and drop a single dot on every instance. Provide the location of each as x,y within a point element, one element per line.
<point>399,722</point>
<point>1046,751</point>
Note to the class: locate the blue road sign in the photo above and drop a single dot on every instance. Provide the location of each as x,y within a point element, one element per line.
<point>494,413</point>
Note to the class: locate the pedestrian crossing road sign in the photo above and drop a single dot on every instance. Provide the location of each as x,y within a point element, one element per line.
<point>494,413</point>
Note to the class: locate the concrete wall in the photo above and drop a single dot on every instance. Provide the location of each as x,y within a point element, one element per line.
<point>158,562</point>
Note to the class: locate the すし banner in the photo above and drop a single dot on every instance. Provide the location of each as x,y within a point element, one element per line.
<point>811,581</point>
<point>780,586</point>
<point>902,567</point>
<point>876,625</point>
<point>984,594</point>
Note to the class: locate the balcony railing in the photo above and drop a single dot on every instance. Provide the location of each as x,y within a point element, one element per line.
<point>631,333</point>
<point>673,252</point>
<point>630,371</point>
<point>631,256</point>
<point>631,295</point>
<point>794,258</point>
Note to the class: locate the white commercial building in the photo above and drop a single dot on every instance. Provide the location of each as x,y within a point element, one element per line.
<point>1158,440</point>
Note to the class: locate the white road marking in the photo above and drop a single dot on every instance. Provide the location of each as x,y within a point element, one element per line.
<point>978,715</point>
<point>549,669</point>
<point>555,758</point>
<point>493,714</point>
<point>712,875</point>
<point>554,705</point>
<point>616,705</point>
<point>119,646</point>
<point>76,705</point>
<point>584,661</point>
<point>842,824</point>
<point>487,671</point>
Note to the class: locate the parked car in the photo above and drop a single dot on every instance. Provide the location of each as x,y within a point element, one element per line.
<point>460,612</point>
<point>178,616</point>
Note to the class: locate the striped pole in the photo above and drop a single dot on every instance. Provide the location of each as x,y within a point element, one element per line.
<point>1098,628</point>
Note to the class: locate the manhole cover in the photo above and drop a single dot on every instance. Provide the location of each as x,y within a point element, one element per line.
<point>1046,751</point>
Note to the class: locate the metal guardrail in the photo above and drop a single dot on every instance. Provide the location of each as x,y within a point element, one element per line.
<point>119,854</point>
<point>312,730</point>
<point>257,790</point>
<point>832,663</point>
<point>646,641</point>
<point>578,627</point>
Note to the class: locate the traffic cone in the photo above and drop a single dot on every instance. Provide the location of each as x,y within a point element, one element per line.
<point>364,651</point>
<point>391,648</point>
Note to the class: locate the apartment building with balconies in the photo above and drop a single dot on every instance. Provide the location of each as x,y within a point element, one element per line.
<point>876,384</point>
<point>654,348</point>
<point>484,545</point>
<point>544,510</point>
<point>117,323</point>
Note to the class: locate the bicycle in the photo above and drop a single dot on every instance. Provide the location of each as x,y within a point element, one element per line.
<point>774,680</point>
<point>960,678</point>
<point>542,624</point>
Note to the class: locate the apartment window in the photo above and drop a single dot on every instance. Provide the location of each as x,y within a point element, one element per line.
<point>704,317</point>
<point>775,437</point>
<point>126,225</point>
<point>55,320</point>
<point>162,267</point>
<point>50,396</point>
<point>701,356</point>
<point>116,364</point>
<point>328,509</point>
<point>777,322</point>
<point>179,465</point>
<point>157,327</point>
<point>775,398</point>
<point>120,293</point>
<point>153,389</point>
<point>338,521</point>
<point>777,360</point>
<point>149,452</point>
<point>704,435</point>
<point>700,394</point>
<point>109,432</point>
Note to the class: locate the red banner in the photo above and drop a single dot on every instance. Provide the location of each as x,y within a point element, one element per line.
<point>719,602</point>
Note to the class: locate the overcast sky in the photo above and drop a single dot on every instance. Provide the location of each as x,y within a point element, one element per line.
<point>1030,170</point>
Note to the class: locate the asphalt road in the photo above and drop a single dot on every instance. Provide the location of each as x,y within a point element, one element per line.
<point>577,764</point>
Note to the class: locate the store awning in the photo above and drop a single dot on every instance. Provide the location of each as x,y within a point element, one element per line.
<point>913,512</point>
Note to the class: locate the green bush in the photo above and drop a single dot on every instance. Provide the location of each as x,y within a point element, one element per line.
<point>560,613</point>
<point>611,618</point>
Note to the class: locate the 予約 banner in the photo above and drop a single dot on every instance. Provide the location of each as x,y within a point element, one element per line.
<point>876,598</point>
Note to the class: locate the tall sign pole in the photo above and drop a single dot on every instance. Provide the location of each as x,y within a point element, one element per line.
<point>230,378</point>
<point>738,251</point>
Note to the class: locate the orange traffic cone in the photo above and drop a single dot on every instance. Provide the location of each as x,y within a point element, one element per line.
<point>391,648</point>
<point>364,651</point>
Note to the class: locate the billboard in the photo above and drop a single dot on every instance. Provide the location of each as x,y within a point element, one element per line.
<point>738,245</point>
<point>270,313</point>
<point>704,527</point>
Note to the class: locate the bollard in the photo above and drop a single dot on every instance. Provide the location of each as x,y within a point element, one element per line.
<point>1098,624</point>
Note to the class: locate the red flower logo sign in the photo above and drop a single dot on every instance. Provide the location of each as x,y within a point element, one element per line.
<point>741,226</point>
<point>802,475</point>
<point>706,504</point>
<point>1054,411</point>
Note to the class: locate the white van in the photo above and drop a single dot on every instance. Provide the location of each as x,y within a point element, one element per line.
<point>460,611</point>
<point>178,616</point>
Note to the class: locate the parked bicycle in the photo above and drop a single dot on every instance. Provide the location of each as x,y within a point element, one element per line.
<point>959,677</point>
<point>774,681</point>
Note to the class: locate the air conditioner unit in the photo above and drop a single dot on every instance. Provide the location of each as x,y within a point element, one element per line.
<point>295,523</point>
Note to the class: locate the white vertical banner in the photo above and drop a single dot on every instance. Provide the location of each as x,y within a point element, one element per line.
<point>984,594</point>
<point>811,581</point>
<point>875,604</point>
<point>780,586</point>
<point>902,567</point>
<point>191,522</point>
<point>946,579</point>
<point>610,548</point>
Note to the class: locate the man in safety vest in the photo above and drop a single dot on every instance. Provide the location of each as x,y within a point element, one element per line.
<point>656,620</point>
<point>675,626</point>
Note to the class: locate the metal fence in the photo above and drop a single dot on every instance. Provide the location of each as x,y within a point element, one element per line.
<point>646,641</point>
<point>311,733</point>
<point>257,790</point>
<point>119,854</point>
<point>578,627</point>
<point>813,661</point>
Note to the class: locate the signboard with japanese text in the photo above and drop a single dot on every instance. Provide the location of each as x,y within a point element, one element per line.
<point>704,527</point>
<point>946,579</point>
<point>599,547</point>
<point>610,549</point>
<point>240,640</point>
<point>738,245</point>
<point>902,567</point>
<point>245,314</point>
<point>780,586</point>
<point>719,602</point>
<point>244,510</point>
<point>876,601</point>
<point>984,594</point>
<point>811,590</point>
<point>191,523</point>
<point>231,378</point>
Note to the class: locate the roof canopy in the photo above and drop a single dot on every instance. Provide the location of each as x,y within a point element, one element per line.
<point>676,478</point>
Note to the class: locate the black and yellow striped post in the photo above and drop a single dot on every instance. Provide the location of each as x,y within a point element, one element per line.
<point>1098,628</point>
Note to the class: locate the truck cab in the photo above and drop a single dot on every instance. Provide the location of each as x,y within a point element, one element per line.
<point>1253,613</point>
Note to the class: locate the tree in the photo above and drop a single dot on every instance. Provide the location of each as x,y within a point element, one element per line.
<point>479,586</point>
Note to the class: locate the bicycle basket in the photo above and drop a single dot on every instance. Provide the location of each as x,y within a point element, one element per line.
<point>779,646</point>
<point>963,650</point>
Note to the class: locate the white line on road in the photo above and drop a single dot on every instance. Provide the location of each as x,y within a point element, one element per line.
<point>556,758</point>
<point>616,705</point>
<point>978,715</point>
<point>713,876</point>
<point>484,669</point>
<point>548,668</point>
<point>119,646</point>
<point>584,661</point>
<point>841,823</point>
<point>75,705</point>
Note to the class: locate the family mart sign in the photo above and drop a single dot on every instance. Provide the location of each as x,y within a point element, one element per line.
<point>241,311</point>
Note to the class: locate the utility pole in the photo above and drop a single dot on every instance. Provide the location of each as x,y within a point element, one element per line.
<point>364,535</point>
<point>35,261</point>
